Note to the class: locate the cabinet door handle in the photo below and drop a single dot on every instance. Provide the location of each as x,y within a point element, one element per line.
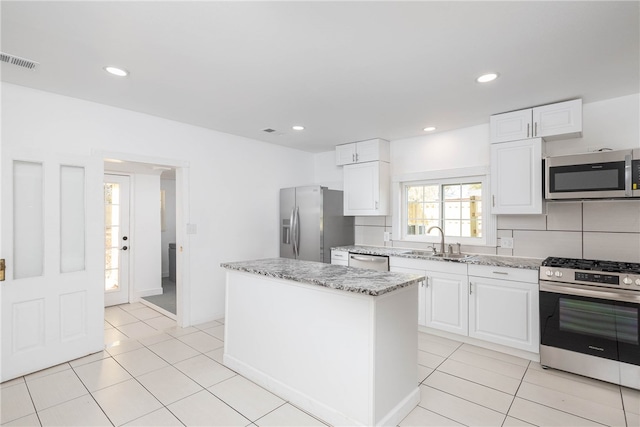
<point>376,205</point>
<point>357,157</point>
<point>426,282</point>
<point>493,203</point>
<point>535,129</point>
<point>353,157</point>
<point>470,288</point>
<point>500,272</point>
<point>528,130</point>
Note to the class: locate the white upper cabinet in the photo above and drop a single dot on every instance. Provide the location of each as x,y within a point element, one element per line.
<point>554,121</point>
<point>516,177</point>
<point>363,151</point>
<point>366,189</point>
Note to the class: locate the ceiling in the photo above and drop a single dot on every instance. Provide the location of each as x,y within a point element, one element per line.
<point>347,71</point>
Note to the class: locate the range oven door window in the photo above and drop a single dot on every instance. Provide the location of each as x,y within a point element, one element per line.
<point>597,327</point>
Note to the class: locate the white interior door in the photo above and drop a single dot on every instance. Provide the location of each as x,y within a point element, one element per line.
<point>117,239</point>
<point>52,241</point>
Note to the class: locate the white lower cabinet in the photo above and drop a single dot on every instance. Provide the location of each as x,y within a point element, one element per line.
<point>442,296</point>
<point>446,302</point>
<point>493,304</point>
<point>503,306</point>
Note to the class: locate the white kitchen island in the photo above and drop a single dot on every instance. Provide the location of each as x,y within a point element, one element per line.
<point>338,342</point>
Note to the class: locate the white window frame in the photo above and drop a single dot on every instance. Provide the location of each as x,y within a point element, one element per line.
<point>443,177</point>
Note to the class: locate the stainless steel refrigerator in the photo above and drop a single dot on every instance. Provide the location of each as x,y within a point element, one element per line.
<point>312,222</point>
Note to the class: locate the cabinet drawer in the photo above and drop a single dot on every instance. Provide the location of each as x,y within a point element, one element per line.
<point>504,273</point>
<point>428,265</point>
<point>340,255</point>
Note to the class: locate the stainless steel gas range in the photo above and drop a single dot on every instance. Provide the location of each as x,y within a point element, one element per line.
<point>589,318</point>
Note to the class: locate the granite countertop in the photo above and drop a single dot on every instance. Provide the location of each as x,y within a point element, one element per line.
<point>359,280</point>
<point>490,260</point>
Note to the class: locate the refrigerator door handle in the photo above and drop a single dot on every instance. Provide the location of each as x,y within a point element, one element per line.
<point>292,227</point>
<point>297,229</point>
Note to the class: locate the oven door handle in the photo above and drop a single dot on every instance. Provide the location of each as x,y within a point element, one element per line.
<point>582,291</point>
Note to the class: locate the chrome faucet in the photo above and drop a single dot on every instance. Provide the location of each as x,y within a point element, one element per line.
<point>441,237</point>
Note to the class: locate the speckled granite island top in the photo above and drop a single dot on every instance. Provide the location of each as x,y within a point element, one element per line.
<point>349,279</point>
<point>491,260</point>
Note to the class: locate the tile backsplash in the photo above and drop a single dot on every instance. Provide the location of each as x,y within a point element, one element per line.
<point>598,229</point>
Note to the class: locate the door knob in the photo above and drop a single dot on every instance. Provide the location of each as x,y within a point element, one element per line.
<point>124,238</point>
<point>124,248</point>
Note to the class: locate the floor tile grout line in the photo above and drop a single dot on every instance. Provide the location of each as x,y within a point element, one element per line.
<point>35,410</point>
<point>560,410</point>
<point>92,396</point>
<point>149,391</point>
<point>462,398</point>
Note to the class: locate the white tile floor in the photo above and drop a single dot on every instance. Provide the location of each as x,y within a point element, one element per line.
<point>153,373</point>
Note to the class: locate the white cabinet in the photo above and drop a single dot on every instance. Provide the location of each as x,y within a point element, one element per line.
<point>363,151</point>
<point>442,297</point>
<point>340,258</point>
<point>366,189</point>
<point>503,306</point>
<point>516,177</point>
<point>446,302</point>
<point>561,120</point>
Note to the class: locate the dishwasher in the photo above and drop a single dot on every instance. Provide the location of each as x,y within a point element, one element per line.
<point>371,262</point>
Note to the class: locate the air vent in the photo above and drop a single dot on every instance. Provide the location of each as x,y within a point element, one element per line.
<point>268,130</point>
<point>20,62</point>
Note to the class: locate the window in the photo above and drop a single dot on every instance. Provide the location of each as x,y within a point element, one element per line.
<point>455,205</point>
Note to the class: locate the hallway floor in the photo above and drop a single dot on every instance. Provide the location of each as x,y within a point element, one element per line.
<point>167,299</point>
<point>153,373</point>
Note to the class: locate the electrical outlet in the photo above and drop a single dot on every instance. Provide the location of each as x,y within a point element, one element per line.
<point>506,242</point>
<point>387,236</point>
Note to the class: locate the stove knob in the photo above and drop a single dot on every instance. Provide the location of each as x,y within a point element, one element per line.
<point>627,281</point>
<point>637,282</point>
<point>549,273</point>
<point>558,273</point>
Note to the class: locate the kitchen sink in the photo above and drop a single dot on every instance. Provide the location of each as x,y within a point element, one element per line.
<point>452,256</point>
<point>439,255</point>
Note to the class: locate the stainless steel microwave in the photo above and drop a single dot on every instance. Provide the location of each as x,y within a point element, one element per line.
<point>599,175</point>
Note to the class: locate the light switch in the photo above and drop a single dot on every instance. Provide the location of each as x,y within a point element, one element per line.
<point>387,236</point>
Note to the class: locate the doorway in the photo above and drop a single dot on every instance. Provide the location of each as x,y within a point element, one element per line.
<point>149,240</point>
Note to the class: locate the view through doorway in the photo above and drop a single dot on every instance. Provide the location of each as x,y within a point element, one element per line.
<point>154,251</point>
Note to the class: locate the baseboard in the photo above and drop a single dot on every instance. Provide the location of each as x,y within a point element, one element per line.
<point>535,357</point>
<point>402,409</point>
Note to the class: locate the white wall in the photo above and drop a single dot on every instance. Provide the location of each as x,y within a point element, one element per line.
<point>327,173</point>
<point>461,148</point>
<point>234,181</point>
<point>169,234</point>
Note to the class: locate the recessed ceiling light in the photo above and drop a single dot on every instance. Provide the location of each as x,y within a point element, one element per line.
<point>429,129</point>
<point>120,72</point>
<point>297,127</point>
<point>486,78</point>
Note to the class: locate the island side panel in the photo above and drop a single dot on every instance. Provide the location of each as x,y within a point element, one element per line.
<point>396,355</point>
<point>309,344</point>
